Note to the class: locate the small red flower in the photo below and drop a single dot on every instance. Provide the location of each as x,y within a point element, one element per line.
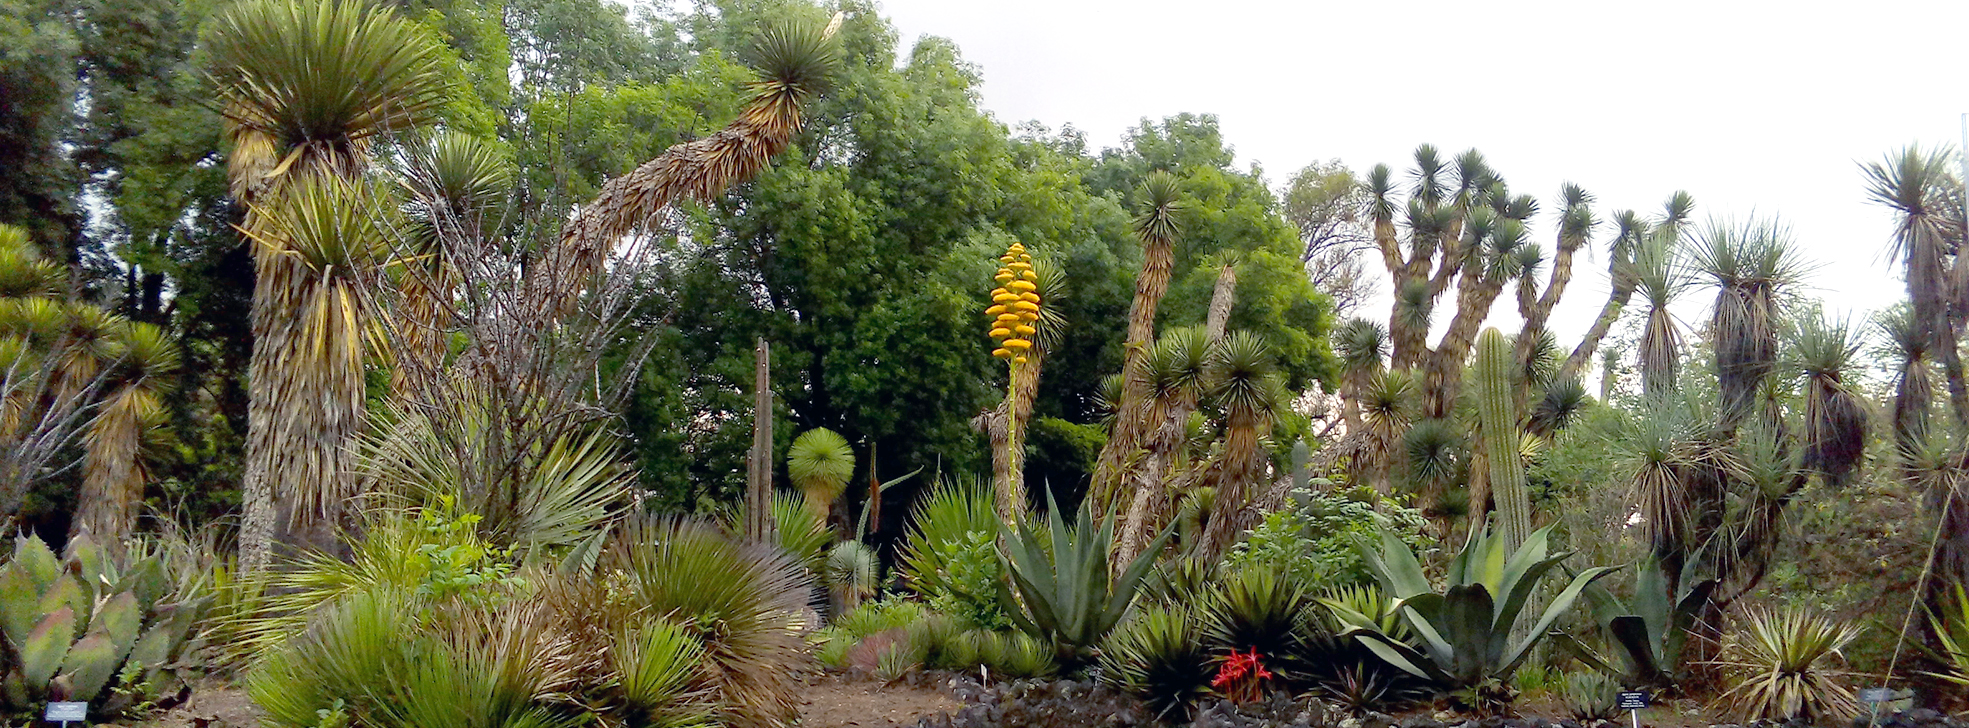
<point>1242,677</point>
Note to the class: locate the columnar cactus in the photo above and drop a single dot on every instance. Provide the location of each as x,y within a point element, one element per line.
<point>1501,436</point>
<point>78,622</point>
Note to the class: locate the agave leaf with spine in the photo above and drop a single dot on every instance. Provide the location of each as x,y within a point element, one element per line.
<point>1064,593</point>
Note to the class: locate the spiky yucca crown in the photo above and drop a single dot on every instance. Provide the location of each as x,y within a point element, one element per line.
<point>820,463</point>
<point>1014,306</point>
<point>300,80</point>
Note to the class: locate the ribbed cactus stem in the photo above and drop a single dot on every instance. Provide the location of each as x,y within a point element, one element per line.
<point>1302,472</point>
<point>1501,437</point>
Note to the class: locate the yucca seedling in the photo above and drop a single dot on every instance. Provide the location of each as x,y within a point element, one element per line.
<point>1951,626</point>
<point>655,664</point>
<point>853,573</point>
<point>1780,660</point>
<point>894,661</point>
<point>1159,655</point>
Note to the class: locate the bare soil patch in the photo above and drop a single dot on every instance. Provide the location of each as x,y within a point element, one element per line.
<point>839,702</point>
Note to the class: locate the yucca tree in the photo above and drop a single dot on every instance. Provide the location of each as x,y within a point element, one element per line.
<point>1387,411</point>
<point>1926,199</point>
<point>1747,263</point>
<point>1361,345</point>
<point>1661,277</point>
<point>1244,383</point>
<point>795,63</point>
<point>1835,423</point>
<point>1178,376</point>
<point>819,463</point>
<point>1157,224</point>
<point>113,475</point>
<point>320,245</point>
<point>1631,231</point>
<point>307,88</point>
<point>459,187</point>
<point>1914,383</point>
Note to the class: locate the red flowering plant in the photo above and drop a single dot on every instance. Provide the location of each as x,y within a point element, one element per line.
<point>1242,677</point>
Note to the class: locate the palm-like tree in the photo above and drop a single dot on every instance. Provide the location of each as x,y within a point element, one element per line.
<point>1243,382</point>
<point>1659,275</point>
<point>820,463</point>
<point>113,475</point>
<point>459,187</point>
<point>320,246</point>
<point>306,88</point>
<point>1632,231</point>
<point>1361,345</point>
<point>1178,376</point>
<point>1927,200</point>
<point>1748,264</point>
<point>1157,225</point>
<point>1835,415</point>
<point>1914,383</point>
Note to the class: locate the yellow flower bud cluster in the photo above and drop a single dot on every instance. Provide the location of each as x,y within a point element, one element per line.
<point>1014,305</point>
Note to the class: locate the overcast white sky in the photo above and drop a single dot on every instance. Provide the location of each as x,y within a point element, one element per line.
<point>1750,106</point>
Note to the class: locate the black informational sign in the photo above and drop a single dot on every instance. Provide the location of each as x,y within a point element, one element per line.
<point>1632,700</point>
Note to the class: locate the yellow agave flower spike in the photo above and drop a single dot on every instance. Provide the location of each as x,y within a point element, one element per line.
<point>1014,305</point>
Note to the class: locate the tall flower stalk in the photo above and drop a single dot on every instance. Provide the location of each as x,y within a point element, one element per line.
<point>1015,315</point>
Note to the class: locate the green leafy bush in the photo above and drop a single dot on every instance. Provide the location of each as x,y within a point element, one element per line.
<point>941,529</point>
<point>1315,537</point>
<point>968,589</point>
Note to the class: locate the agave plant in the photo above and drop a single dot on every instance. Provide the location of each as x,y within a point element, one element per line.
<point>1779,660</point>
<point>1464,637</point>
<point>1270,612</point>
<point>1591,696</point>
<point>1159,655</point>
<point>74,626</point>
<point>1649,632</point>
<point>1064,592</point>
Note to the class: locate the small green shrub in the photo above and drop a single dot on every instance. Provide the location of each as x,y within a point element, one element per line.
<point>968,589</point>
<point>1315,537</point>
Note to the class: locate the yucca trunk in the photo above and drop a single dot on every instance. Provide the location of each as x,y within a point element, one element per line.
<point>1538,312</point>
<point>1149,500</point>
<point>1223,297</point>
<point>1156,227</point>
<point>1445,369</point>
<point>113,475</point>
<point>1914,393</point>
<point>1624,283</point>
<point>306,406</point>
<point>1244,465</point>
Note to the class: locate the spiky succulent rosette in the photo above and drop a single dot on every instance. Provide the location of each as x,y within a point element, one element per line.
<point>1014,305</point>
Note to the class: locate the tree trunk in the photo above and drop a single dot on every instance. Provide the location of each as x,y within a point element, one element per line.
<point>1007,434</point>
<point>1623,291</point>
<point>113,480</point>
<point>1130,421</point>
<point>759,463</point>
<point>1222,299</point>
